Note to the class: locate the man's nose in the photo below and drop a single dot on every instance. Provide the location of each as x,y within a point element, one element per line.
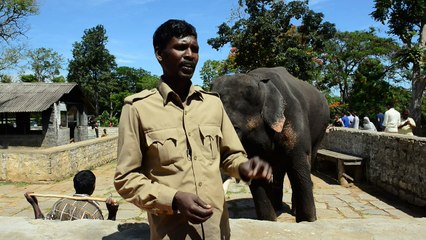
<point>188,53</point>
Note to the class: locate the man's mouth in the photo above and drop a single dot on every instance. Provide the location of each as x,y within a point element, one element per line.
<point>188,66</point>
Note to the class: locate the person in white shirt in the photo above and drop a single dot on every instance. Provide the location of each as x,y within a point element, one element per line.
<point>407,124</point>
<point>392,119</point>
<point>355,121</point>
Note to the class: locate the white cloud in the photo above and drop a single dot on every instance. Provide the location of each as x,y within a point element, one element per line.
<point>316,2</point>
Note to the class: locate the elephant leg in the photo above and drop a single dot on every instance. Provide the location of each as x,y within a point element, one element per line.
<point>276,191</point>
<point>262,203</point>
<point>301,183</point>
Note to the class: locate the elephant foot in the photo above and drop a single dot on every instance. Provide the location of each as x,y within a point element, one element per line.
<point>272,218</point>
<point>278,205</point>
<point>310,219</point>
<point>267,214</point>
<point>293,211</point>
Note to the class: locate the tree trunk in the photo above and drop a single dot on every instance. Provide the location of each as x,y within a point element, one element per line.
<point>418,84</point>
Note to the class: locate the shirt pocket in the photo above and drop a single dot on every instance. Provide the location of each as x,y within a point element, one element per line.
<point>210,140</point>
<point>163,146</point>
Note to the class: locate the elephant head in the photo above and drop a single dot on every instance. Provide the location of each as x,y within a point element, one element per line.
<point>255,107</point>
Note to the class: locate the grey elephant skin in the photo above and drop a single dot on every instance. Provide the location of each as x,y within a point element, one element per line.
<point>282,120</point>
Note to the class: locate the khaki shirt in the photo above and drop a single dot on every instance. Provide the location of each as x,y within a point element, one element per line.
<point>167,146</point>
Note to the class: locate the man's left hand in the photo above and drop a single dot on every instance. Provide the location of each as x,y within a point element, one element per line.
<point>255,168</point>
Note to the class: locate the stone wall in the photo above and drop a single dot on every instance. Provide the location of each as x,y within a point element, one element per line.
<point>394,162</point>
<point>56,163</point>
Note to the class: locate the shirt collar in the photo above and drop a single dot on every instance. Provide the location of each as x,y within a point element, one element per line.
<point>169,95</point>
<point>81,195</point>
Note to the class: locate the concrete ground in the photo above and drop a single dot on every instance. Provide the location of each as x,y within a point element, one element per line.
<point>357,212</point>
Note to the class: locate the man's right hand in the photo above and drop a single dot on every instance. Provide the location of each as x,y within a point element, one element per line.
<point>190,205</point>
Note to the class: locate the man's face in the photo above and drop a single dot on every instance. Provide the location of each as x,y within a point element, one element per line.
<point>179,58</point>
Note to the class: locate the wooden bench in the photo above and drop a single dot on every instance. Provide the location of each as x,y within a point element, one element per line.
<point>341,161</point>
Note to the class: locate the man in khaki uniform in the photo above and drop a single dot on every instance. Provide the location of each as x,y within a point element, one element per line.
<point>172,142</point>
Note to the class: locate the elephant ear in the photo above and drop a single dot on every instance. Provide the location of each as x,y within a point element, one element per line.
<point>273,105</point>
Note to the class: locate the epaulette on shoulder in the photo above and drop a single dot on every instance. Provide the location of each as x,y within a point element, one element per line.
<point>198,88</point>
<point>140,95</point>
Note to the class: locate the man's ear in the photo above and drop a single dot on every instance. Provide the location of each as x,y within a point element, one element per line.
<point>158,54</point>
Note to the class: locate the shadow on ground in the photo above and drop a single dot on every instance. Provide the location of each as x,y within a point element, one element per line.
<point>129,231</point>
<point>244,208</point>
<point>327,176</point>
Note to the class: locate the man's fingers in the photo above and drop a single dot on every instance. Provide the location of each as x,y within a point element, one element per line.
<point>199,214</point>
<point>201,203</point>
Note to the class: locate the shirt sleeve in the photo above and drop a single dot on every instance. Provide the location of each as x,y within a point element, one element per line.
<point>129,180</point>
<point>231,150</point>
<point>385,119</point>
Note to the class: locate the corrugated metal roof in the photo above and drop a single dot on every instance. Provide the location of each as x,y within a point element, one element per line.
<point>31,97</point>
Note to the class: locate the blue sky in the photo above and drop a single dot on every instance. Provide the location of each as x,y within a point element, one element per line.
<point>130,24</point>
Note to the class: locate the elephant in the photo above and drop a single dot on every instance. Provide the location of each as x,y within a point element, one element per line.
<point>282,120</point>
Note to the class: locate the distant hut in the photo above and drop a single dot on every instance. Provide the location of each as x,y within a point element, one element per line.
<point>42,114</point>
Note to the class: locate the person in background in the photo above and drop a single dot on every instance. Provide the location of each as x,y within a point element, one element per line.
<point>68,209</point>
<point>392,119</point>
<point>355,121</point>
<point>367,125</point>
<point>172,142</point>
<point>105,133</point>
<point>337,121</point>
<point>345,120</point>
<point>407,123</point>
<point>379,119</point>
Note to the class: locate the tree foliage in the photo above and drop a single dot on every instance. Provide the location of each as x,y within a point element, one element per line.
<point>347,51</point>
<point>127,81</point>
<point>267,34</point>
<point>28,78</point>
<point>10,56</point>
<point>371,92</point>
<point>407,21</point>
<point>13,14</point>
<point>45,63</point>
<point>6,79</point>
<point>92,66</point>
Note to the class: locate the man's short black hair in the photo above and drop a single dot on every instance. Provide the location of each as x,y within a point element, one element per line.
<point>172,28</point>
<point>84,182</point>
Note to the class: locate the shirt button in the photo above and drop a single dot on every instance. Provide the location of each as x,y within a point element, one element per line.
<point>200,184</point>
<point>195,158</point>
<point>189,134</point>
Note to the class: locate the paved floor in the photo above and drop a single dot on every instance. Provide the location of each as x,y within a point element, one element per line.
<point>333,201</point>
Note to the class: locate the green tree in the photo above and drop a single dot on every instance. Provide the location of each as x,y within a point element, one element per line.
<point>407,21</point>
<point>370,91</point>
<point>28,78</point>
<point>59,79</point>
<point>5,79</point>
<point>214,68</point>
<point>128,81</point>
<point>346,52</point>
<point>92,66</point>
<point>265,35</point>
<point>45,63</point>
<point>147,82</point>
<point>211,70</point>
<point>13,14</point>
<point>10,55</point>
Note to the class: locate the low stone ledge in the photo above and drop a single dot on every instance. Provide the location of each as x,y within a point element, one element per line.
<point>31,229</point>
<point>56,163</point>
